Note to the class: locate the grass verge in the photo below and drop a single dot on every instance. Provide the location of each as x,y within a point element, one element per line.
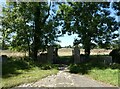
<point>98,71</point>
<point>16,72</point>
<point>108,76</point>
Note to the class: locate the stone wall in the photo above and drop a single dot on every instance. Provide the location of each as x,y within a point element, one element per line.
<point>106,59</point>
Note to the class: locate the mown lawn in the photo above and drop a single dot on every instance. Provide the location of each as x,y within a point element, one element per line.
<point>108,74</point>
<point>16,71</point>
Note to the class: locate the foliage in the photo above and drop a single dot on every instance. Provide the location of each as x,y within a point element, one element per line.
<point>116,6</point>
<point>56,45</point>
<point>115,53</point>
<point>98,71</point>
<point>32,26</point>
<point>29,26</point>
<point>48,66</point>
<point>18,71</point>
<point>91,21</point>
<point>74,68</point>
<point>116,44</point>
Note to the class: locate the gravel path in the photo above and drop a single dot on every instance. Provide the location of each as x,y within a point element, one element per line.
<point>66,79</point>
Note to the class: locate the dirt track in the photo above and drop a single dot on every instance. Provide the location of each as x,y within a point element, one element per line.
<point>66,79</point>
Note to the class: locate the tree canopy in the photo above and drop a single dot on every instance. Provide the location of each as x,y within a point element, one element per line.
<point>32,26</point>
<point>91,21</point>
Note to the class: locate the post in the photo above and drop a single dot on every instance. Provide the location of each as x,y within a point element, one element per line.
<point>76,54</point>
<point>50,54</point>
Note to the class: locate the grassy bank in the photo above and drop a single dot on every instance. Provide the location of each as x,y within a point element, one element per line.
<point>98,71</point>
<point>16,71</point>
<point>109,76</point>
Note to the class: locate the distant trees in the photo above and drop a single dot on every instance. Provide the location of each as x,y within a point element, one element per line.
<point>69,46</point>
<point>92,21</point>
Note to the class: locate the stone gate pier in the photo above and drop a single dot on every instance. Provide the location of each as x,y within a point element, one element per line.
<point>76,54</point>
<point>49,57</point>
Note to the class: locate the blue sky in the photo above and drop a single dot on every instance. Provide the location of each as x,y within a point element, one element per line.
<point>67,40</point>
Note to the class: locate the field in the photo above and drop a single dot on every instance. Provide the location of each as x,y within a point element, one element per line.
<point>12,54</point>
<point>61,52</point>
<point>68,52</point>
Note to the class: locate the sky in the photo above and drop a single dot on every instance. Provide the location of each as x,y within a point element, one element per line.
<point>66,40</point>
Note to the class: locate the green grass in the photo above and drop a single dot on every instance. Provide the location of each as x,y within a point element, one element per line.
<point>98,71</point>
<point>27,76</point>
<point>109,76</point>
<point>16,72</point>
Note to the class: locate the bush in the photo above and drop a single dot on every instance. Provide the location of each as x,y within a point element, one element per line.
<point>74,68</point>
<point>48,66</point>
<point>115,53</point>
<point>115,66</point>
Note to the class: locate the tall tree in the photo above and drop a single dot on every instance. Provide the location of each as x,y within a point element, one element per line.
<point>91,21</point>
<point>31,25</point>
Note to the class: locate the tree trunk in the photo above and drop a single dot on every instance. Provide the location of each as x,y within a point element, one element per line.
<point>37,29</point>
<point>28,47</point>
<point>87,45</point>
<point>87,51</point>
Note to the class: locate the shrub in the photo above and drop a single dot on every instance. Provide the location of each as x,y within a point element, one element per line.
<point>115,66</point>
<point>48,66</point>
<point>74,68</point>
<point>115,53</point>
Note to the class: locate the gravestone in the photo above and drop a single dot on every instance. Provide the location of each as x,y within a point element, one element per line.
<point>50,54</point>
<point>76,54</point>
